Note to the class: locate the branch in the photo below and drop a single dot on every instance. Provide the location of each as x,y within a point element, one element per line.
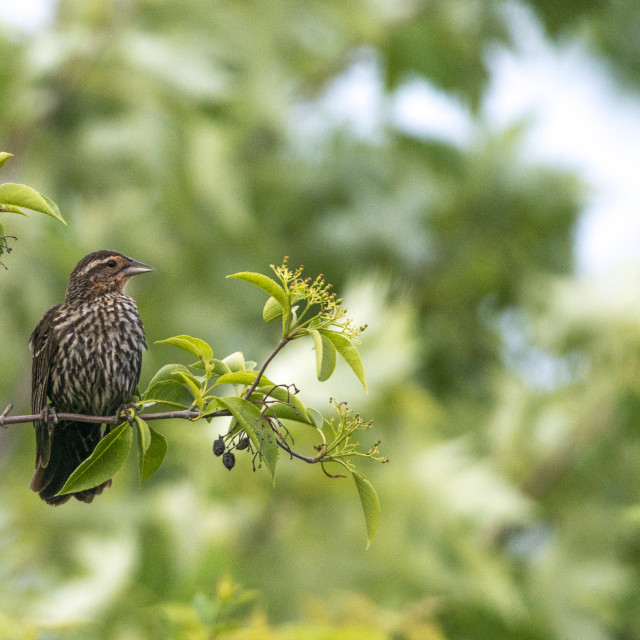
<point>272,355</point>
<point>183,414</point>
<point>291,452</point>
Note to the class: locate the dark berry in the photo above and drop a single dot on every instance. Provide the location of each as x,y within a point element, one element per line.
<point>218,446</point>
<point>228,460</point>
<point>243,444</point>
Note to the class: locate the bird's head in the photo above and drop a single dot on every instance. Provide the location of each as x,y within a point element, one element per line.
<point>103,272</point>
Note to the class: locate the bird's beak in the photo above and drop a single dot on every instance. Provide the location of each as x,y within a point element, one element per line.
<point>134,268</point>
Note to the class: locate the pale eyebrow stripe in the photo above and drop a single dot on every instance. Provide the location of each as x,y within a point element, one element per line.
<point>91,265</point>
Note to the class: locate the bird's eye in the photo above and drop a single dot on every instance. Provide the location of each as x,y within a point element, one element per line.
<point>111,263</point>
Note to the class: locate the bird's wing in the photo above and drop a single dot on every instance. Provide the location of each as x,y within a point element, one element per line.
<point>42,345</point>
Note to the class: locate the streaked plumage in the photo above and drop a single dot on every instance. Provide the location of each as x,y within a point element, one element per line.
<point>87,353</point>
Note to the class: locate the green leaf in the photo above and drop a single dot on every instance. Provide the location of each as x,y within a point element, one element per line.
<point>9,208</point>
<point>195,346</point>
<point>317,419</point>
<point>166,373</point>
<point>19,195</point>
<point>241,377</point>
<point>266,284</point>
<point>4,156</point>
<point>325,355</point>
<point>214,405</point>
<point>1,232</point>
<point>370,505</point>
<point>285,396</point>
<point>53,206</point>
<point>154,456</point>
<point>259,431</point>
<point>103,463</point>
<point>217,367</point>
<point>235,361</point>
<point>194,386</point>
<point>272,310</point>
<point>144,437</point>
<point>167,388</point>
<point>220,367</point>
<point>287,412</point>
<point>347,350</point>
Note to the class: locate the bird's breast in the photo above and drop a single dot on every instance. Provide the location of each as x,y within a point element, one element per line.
<point>96,364</point>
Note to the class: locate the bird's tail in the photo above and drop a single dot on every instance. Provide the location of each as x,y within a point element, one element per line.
<point>71,444</point>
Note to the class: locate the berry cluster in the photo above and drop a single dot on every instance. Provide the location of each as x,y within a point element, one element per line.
<point>220,448</point>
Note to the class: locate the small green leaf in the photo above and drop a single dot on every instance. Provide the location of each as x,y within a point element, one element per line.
<point>317,419</point>
<point>168,388</point>
<point>20,195</point>
<point>195,346</point>
<point>241,377</point>
<point>214,405</point>
<point>144,437</point>
<point>216,367</point>
<point>53,206</point>
<point>266,284</point>
<point>285,396</point>
<point>167,372</point>
<point>235,361</point>
<point>1,233</point>
<point>370,505</point>
<point>325,355</point>
<point>219,367</point>
<point>287,412</point>
<point>258,429</point>
<point>4,156</point>
<point>194,387</point>
<point>272,310</point>
<point>106,459</point>
<point>154,456</point>
<point>9,208</point>
<point>346,349</point>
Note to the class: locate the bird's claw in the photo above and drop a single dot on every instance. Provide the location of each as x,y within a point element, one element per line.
<point>49,415</point>
<point>128,412</point>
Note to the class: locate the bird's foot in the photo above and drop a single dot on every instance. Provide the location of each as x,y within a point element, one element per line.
<point>49,415</point>
<point>128,412</point>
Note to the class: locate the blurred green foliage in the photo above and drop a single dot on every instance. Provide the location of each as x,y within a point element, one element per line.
<point>192,135</point>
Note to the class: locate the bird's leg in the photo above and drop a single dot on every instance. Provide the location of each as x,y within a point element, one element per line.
<point>49,417</point>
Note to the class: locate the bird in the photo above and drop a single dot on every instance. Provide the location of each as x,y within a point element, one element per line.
<point>87,355</point>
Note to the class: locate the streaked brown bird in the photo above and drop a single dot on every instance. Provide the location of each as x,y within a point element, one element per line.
<point>87,353</point>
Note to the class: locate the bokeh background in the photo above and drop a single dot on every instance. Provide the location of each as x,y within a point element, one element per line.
<point>465,173</point>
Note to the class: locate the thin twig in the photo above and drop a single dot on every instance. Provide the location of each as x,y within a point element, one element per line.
<point>4,414</point>
<point>291,452</point>
<point>272,355</point>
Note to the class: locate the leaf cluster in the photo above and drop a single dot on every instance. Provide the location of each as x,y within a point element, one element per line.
<point>263,412</point>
